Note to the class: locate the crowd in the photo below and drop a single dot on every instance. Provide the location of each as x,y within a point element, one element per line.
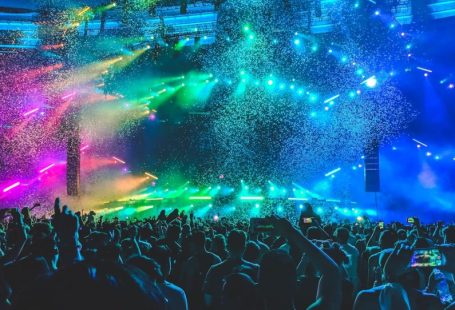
<point>179,261</point>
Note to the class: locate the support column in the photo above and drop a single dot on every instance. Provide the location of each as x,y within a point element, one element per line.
<point>73,157</point>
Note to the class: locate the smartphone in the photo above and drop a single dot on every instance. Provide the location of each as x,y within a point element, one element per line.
<point>427,258</point>
<point>381,225</point>
<point>261,224</point>
<point>410,220</point>
<point>307,220</point>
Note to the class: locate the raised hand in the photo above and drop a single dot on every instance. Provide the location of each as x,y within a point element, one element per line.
<point>398,262</point>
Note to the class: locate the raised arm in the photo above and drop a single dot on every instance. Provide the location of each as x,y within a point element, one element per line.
<point>329,290</point>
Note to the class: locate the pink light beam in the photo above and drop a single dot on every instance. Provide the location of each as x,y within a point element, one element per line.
<point>47,168</point>
<point>31,112</point>
<point>118,160</point>
<point>69,95</point>
<point>6,189</point>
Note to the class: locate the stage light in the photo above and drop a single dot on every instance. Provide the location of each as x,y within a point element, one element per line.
<point>402,34</point>
<point>437,157</point>
<point>314,48</point>
<point>319,210</point>
<point>425,74</point>
<point>246,28</point>
<point>280,209</point>
<point>296,42</point>
<point>200,198</point>
<point>313,114</point>
<point>292,86</point>
<point>354,168</point>
<point>326,108</point>
<point>331,98</point>
<point>352,94</point>
<point>451,86</point>
<point>251,197</point>
<point>359,219</point>
<point>359,165</point>
<point>300,91</point>
<point>297,198</point>
<point>356,5</point>
<point>8,188</point>
<point>216,218</point>
<point>394,148</point>
<point>392,26</point>
<point>270,82</point>
<point>330,51</point>
<point>272,188</point>
<point>257,206</point>
<point>274,41</point>
<point>408,46</point>
<point>420,142</point>
<point>428,154</point>
<point>344,59</point>
<point>377,12</point>
<point>151,176</point>
<point>251,37</point>
<point>301,206</point>
<point>371,82</point>
<point>332,172</point>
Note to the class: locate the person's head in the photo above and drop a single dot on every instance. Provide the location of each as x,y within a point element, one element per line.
<point>173,232</point>
<point>239,292</point>
<point>198,240</point>
<point>186,230</point>
<point>252,252</point>
<point>361,245</point>
<point>162,256</point>
<point>338,255</point>
<point>313,233</point>
<point>449,234</point>
<point>387,239</point>
<point>218,243</point>
<point>149,266</point>
<point>236,243</point>
<point>342,235</point>
<point>278,279</point>
<point>93,285</point>
<point>43,243</point>
<point>402,235</point>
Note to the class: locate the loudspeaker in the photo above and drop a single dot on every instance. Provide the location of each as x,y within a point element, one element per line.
<point>371,164</point>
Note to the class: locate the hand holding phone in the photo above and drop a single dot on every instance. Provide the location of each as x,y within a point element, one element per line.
<point>307,220</point>
<point>261,225</point>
